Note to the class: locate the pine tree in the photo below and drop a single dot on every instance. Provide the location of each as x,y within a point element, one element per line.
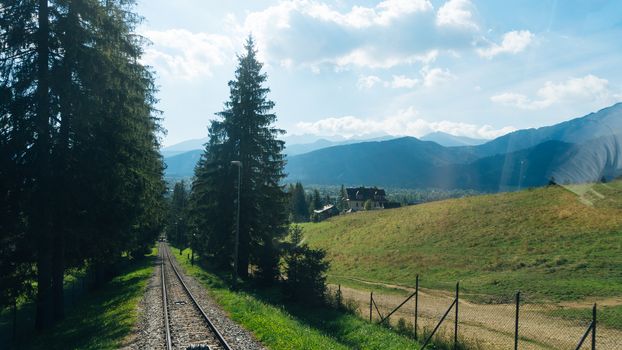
<point>298,204</point>
<point>177,225</point>
<point>316,203</point>
<point>244,133</point>
<point>342,200</point>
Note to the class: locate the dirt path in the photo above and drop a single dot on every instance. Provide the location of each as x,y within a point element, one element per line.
<point>489,326</point>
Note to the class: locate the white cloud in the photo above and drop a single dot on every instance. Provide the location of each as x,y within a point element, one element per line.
<point>371,58</point>
<point>513,42</point>
<point>313,34</point>
<point>362,57</point>
<point>590,88</point>
<point>367,82</point>
<point>181,53</point>
<point>404,123</point>
<point>401,81</point>
<point>430,77</point>
<point>362,17</point>
<point>456,13</point>
<point>513,99</point>
<point>436,76</point>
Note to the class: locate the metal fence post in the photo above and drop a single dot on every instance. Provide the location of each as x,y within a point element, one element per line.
<point>371,300</point>
<point>517,319</point>
<point>416,303</point>
<point>594,327</point>
<point>339,296</point>
<point>456,320</point>
<point>427,341</point>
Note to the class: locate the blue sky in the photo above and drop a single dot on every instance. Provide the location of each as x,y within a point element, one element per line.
<point>400,67</point>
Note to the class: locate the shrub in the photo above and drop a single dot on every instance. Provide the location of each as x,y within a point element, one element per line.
<point>305,270</point>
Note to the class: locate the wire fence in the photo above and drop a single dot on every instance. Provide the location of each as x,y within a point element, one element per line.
<point>513,321</point>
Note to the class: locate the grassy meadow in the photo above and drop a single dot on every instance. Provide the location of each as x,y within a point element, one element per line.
<point>554,243</point>
<point>99,320</point>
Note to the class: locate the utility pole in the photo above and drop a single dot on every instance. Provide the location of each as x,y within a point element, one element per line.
<point>237,225</point>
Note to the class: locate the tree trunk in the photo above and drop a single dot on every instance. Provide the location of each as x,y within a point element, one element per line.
<point>243,251</point>
<point>58,274</point>
<point>40,225</point>
<point>245,216</point>
<point>61,175</point>
<point>45,302</point>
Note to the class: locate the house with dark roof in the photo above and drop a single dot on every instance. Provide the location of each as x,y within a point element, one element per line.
<point>357,196</point>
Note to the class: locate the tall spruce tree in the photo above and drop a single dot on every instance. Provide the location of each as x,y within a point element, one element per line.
<point>245,132</point>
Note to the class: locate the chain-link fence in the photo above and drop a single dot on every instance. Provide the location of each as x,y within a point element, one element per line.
<point>514,321</point>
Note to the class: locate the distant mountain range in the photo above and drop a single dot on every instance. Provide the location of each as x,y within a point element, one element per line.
<point>181,158</point>
<point>183,147</point>
<point>296,149</point>
<point>579,150</point>
<point>181,165</point>
<point>449,140</point>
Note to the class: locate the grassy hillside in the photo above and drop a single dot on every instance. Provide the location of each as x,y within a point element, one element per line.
<point>548,242</point>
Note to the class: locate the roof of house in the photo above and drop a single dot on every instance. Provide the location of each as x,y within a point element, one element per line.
<point>364,193</point>
<point>326,208</point>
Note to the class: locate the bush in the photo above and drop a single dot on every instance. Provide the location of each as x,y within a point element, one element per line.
<point>305,270</point>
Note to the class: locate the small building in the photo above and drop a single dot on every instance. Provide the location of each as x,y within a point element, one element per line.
<point>357,196</point>
<point>326,212</point>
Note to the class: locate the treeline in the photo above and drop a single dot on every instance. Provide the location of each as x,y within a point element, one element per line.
<point>302,204</point>
<point>242,167</point>
<point>335,195</point>
<point>81,175</point>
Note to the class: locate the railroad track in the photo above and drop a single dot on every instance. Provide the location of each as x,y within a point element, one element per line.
<point>186,324</point>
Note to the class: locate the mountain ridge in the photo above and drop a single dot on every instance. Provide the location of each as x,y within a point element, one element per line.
<point>449,140</point>
<point>581,149</point>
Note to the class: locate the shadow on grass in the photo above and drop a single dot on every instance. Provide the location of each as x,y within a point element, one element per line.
<point>344,327</point>
<point>100,320</point>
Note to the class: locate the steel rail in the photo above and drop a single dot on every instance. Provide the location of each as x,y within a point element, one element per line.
<point>169,343</point>
<point>218,335</point>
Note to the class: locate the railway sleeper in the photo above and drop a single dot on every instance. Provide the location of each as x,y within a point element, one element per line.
<point>199,347</point>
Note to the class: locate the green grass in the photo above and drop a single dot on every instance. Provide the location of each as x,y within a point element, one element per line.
<point>608,316</point>
<point>103,319</point>
<point>545,242</point>
<point>281,325</point>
